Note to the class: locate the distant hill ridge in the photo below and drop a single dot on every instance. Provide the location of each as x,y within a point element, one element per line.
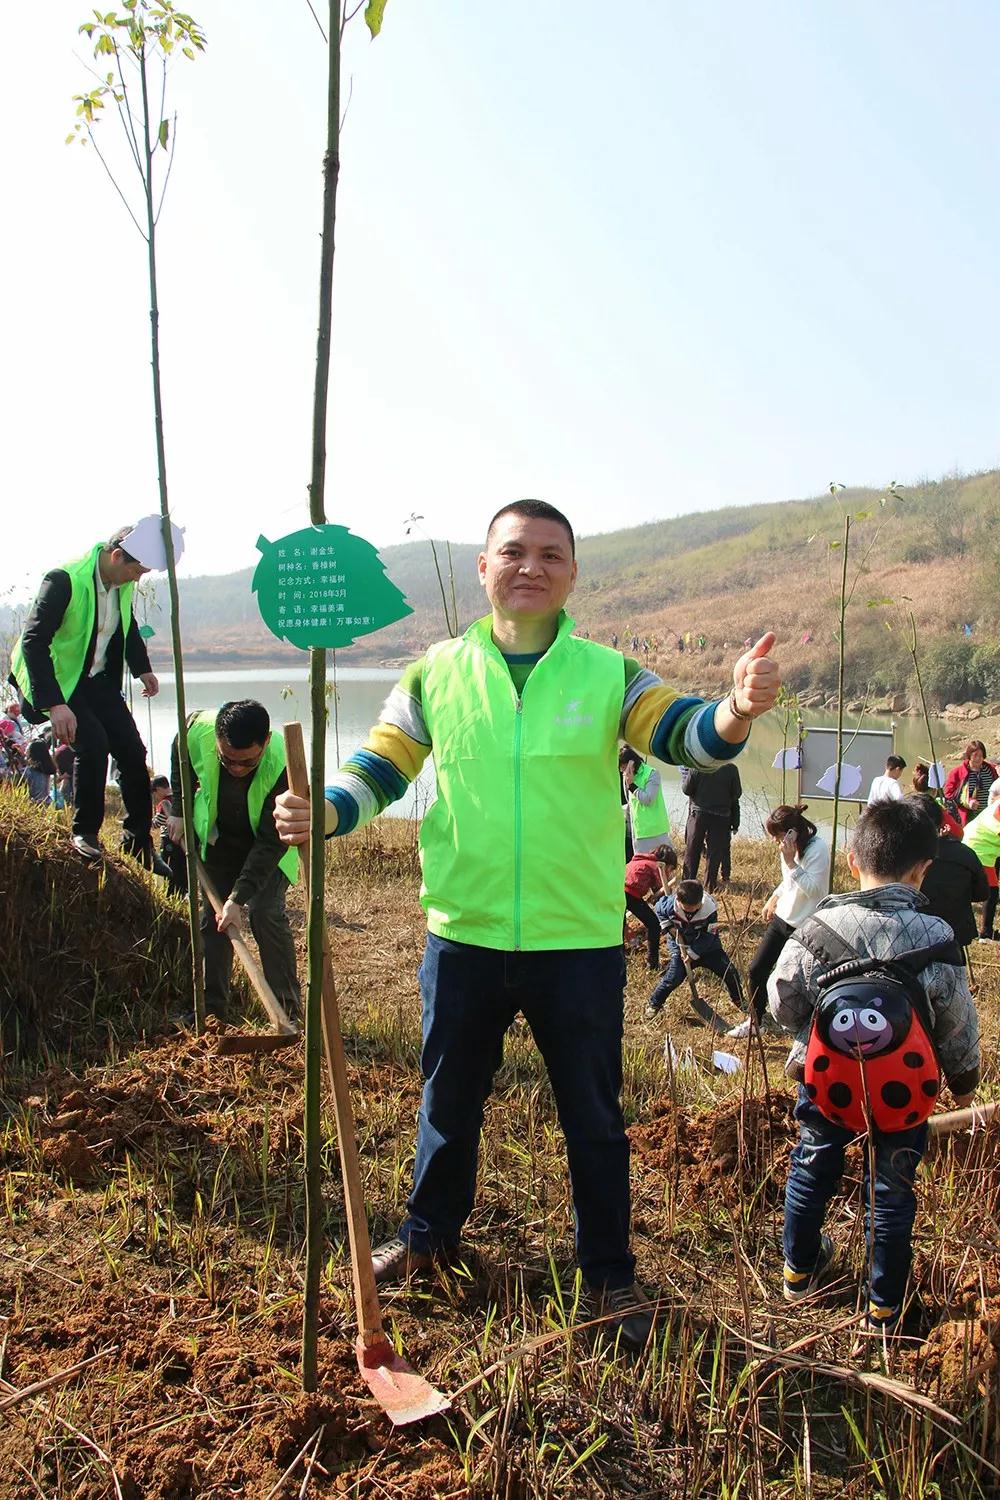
<point>726,574</point>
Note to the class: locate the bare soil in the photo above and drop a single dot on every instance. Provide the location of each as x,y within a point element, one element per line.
<point>153,1220</point>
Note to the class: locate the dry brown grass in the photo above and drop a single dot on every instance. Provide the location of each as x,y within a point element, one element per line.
<point>153,1215</point>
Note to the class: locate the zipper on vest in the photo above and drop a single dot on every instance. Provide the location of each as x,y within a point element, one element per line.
<point>518,721</point>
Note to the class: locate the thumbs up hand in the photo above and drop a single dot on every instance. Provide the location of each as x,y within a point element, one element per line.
<point>756,679</point>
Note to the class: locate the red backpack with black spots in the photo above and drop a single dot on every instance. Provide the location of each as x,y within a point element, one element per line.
<point>870,1054</point>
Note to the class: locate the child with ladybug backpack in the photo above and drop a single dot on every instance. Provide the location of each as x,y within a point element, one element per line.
<point>875,992</point>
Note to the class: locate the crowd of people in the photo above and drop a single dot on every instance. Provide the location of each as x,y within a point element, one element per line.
<point>542,739</point>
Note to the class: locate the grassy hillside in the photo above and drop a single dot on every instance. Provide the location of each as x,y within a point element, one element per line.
<point>727,574</point>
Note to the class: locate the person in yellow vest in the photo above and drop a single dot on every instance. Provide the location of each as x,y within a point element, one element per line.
<point>67,667</point>
<point>646,823</point>
<point>982,836</point>
<point>523,887</point>
<point>238,769</point>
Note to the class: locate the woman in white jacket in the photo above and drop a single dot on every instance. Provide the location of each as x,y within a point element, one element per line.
<point>805,875</point>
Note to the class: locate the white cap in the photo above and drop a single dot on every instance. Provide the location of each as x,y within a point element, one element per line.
<point>145,543</point>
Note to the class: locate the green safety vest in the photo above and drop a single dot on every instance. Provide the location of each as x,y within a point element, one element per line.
<point>647,822</point>
<point>982,834</point>
<point>522,848</point>
<point>205,764</point>
<point>68,648</point>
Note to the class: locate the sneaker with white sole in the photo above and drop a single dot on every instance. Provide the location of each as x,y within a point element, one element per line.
<point>798,1285</point>
<point>88,847</point>
<point>765,1026</point>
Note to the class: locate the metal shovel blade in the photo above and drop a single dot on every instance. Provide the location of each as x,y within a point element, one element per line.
<point>403,1395</point>
<point>244,1044</point>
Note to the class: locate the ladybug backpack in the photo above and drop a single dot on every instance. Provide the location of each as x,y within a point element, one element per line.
<point>870,1054</point>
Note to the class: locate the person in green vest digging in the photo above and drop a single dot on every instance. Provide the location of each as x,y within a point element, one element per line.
<point>646,823</point>
<point>523,884</point>
<point>67,667</point>
<point>238,769</point>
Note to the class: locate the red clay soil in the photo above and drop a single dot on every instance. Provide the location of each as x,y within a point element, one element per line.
<point>187,1398</point>
<point>209,1410</point>
<point>727,1149</point>
<point>961,1359</point>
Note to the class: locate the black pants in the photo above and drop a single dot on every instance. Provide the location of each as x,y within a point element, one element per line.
<point>989,912</point>
<point>105,727</point>
<point>175,859</point>
<point>711,832</point>
<point>776,935</point>
<point>269,925</point>
<point>651,922</point>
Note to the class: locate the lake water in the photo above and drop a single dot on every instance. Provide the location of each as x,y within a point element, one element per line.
<point>362,690</point>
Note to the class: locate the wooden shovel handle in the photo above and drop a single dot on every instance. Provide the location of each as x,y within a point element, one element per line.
<point>365,1291</point>
<point>252,968</point>
<point>962,1119</point>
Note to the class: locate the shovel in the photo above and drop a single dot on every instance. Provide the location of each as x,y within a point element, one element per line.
<point>404,1394</point>
<point>698,1005</point>
<point>237,1043</point>
<point>976,1117</point>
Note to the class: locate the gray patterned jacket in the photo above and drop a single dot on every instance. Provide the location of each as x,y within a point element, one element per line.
<point>884,923</point>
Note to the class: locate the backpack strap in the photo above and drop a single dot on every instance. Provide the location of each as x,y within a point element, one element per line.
<point>842,961</point>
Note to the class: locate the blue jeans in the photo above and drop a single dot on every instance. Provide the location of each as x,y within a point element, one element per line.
<point>817,1165</point>
<point>713,957</point>
<point>573,1000</point>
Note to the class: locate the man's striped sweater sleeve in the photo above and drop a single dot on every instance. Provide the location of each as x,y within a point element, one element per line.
<point>388,761</point>
<point>658,721</point>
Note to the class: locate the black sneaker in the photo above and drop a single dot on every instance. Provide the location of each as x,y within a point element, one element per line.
<point>147,856</point>
<point>629,1315</point>
<point>88,847</point>
<point>798,1285</point>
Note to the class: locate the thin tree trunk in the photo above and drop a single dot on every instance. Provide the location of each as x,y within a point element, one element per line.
<point>923,704</point>
<point>840,703</point>
<point>190,853</point>
<point>317,693</point>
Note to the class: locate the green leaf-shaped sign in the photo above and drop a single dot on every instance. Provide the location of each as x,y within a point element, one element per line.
<point>147,632</point>
<point>324,587</point>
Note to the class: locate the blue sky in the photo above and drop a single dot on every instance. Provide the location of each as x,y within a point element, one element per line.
<point>637,260</point>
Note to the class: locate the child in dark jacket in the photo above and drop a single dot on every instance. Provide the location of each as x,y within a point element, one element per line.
<point>693,917</point>
<point>891,851</point>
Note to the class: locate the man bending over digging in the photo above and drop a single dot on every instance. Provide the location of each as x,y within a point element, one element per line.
<point>524,720</point>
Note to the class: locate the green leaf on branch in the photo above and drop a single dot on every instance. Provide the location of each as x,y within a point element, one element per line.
<point>862,515</point>
<point>878,603</point>
<point>163,133</point>
<point>374,11</point>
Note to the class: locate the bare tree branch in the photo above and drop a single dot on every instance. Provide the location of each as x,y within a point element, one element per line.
<point>170,168</point>
<point>114,184</point>
<point>318,22</point>
<point>347,19</point>
<point>350,96</point>
<point>126,115</point>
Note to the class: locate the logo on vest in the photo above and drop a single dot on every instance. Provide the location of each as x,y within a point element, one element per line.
<point>572,718</point>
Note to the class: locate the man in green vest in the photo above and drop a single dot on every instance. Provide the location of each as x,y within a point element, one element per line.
<point>237,770</point>
<point>523,878</point>
<point>67,667</point>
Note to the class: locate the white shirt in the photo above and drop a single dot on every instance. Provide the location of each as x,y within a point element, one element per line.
<point>803,886</point>
<point>107,620</point>
<point>885,789</point>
